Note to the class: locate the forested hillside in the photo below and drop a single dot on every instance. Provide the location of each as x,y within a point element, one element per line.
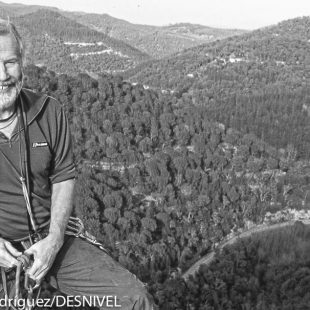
<point>19,9</point>
<point>66,46</point>
<point>153,40</point>
<point>185,152</point>
<point>125,44</point>
<point>268,271</point>
<point>159,182</point>
<point>257,83</point>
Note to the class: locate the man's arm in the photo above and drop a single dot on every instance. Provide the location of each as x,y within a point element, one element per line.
<point>62,194</point>
<point>45,250</point>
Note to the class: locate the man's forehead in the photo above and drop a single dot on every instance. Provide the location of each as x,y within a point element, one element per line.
<point>9,46</point>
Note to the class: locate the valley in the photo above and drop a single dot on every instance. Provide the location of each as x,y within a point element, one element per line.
<point>188,140</point>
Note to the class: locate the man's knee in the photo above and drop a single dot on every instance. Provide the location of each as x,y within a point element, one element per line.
<point>145,302</point>
<point>142,300</point>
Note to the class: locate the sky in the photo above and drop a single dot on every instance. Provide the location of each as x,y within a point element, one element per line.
<point>242,14</point>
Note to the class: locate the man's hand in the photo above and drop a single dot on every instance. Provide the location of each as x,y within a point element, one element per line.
<point>44,253</point>
<point>8,254</point>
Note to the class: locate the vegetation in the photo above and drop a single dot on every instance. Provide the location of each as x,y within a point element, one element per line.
<point>205,144</point>
<point>158,182</point>
<point>153,40</point>
<point>267,271</point>
<point>256,83</point>
<point>48,35</point>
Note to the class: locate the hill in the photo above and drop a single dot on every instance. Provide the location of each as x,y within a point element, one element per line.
<point>66,46</point>
<point>153,40</point>
<point>256,82</point>
<point>18,9</point>
<point>266,271</point>
<point>159,182</point>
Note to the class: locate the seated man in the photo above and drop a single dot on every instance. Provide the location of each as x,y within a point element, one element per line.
<point>36,187</point>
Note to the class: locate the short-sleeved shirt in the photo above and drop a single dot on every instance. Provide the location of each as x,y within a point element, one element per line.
<point>50,159</point>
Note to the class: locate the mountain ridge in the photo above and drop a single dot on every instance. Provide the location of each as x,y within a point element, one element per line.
<point>149,38</point>
<point>50,36</point>
<point>18,9</point>
<point>156,41</point>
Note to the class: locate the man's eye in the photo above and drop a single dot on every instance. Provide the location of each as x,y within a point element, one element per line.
<point>11,62</point>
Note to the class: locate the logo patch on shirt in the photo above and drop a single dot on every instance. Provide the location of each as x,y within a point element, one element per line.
<point>39,144</point>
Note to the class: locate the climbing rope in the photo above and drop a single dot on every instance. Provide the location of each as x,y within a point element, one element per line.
<point>23,263</point>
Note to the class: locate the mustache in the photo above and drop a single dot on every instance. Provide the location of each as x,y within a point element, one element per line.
<point>11,84</point>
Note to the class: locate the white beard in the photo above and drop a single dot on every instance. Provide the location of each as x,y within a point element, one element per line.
<point>9,96</point>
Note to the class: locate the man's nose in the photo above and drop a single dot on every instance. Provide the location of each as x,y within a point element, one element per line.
<point>3,72</point>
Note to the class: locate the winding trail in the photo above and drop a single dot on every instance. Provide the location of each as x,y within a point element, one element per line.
<point>207,259</point>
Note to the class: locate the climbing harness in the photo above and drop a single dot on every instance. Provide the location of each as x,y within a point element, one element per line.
<point>75,226</point>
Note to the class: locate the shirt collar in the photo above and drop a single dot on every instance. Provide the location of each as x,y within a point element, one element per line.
<point>32,102</point>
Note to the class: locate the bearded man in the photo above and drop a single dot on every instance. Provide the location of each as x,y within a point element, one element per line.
<point>36,186</point>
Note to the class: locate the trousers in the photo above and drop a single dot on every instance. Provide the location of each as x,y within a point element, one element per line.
<point>81,269</point>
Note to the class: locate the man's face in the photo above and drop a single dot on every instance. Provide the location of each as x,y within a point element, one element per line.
<point>10,72</point>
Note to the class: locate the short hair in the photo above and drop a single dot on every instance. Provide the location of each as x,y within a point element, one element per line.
<point>8,28</point>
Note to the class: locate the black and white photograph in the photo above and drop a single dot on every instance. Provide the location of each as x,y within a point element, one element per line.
<point>155,155</point>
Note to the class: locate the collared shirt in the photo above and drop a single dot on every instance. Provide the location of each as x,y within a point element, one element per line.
<point>50,158</point>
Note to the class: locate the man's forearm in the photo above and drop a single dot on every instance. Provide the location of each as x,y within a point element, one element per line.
<point>45,250</point>
<point>61,208</point>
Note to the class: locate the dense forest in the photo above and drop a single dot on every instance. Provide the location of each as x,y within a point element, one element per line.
<point>182,153</point>
<point>256,83</point>
<point>159,182</point>
<point>268,271</point>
